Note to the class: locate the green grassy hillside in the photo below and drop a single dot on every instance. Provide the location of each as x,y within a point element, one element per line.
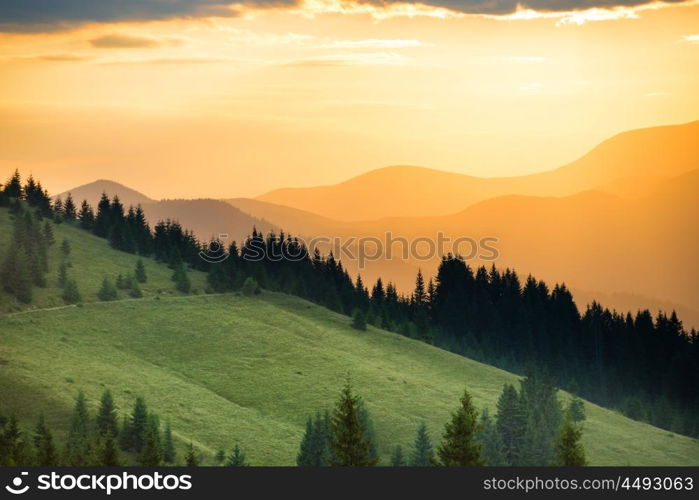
<point>226,369</point>
<point>91,259</point>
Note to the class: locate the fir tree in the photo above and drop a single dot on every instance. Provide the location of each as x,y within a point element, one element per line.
<point>250,287</point>
<point>62,274</point>
<point>107,291</point>
<point>181,279</point>
<point>423,452</point>
<point>46,454</point>
<point>569,449</point>
<point>237,458</point>
<point>138,425</point>
<point>106,420</point>
<point>86,216</point>
<point>511,424</point>
<point>349,444</point>
<point>140,272</point>
<point>459,447</point>
<point>359,320</point>
<point>191,459</point>
<point>493,445</point>
<point>69,209</point>
<point>77,451</point>
<point>48,234</point>
<point>71,294</point>
<point>397,458</point>
<point>108,454</point>
<point>169,453</point>
<point>151,453</point>
<point>15,275</point>
<point>65,247</point>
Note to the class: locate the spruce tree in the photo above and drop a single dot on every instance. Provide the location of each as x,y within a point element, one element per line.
<point>569,449</point>
<point>169,453</point>
<point>86,216</point>
<point>511,424</point>
<point>237,458</point>
<point>69,209</point>
<point>15,275</point>
<point>71,294</point>
<point>181,279</point>
<point>107,291</point>
<point>77,451</point>
<point>423,452</point>
<point>191,459</point>
<point>349,444</point>
<point>106,420</point>
<point>459,447</point>
<point>65,247</point>
<point>48,233</point>
<point>46,454</point>
<point>151,452</point>
<point>138,425</point>
<point>62,274</point>
<point>140,272</point>
<point>397,458</point>
<point>493,445</point>
<point>359,320</point>
<point>108,454</point>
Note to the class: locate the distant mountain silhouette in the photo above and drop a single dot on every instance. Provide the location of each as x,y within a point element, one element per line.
<point>205,217</point>
<point>409,191</point>
<point>93,190</point>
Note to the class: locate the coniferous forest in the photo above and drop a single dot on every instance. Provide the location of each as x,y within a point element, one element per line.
<point>643,364</point>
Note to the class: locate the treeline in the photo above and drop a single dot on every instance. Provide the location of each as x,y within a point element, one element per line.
<point>529,428</point>
<point>99,440</point>
<point>645,366</point>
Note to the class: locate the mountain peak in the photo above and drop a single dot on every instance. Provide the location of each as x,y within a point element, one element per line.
<point>92,192</point>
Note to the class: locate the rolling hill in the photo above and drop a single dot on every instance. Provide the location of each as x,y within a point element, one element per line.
<point>409,191</point>
<point>226,369</point>
<point>207,218</point>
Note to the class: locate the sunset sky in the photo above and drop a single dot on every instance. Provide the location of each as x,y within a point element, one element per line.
<point>203,98</point>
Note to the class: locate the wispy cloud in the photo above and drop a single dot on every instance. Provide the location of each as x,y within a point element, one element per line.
<point>355,59</point>
<point>373,43</point>
<point>526,59</point>
<point>690,38</point>
<point>122,41</point>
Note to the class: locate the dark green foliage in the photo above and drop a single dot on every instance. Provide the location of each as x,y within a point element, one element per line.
<point>65,247</point>
<point>140,272</point>
<point>69,209</point>
<point>77,450</point>
<point>15,450</point>
<point>237,458</point>
<point>359,319</point>
<point>169,454</point>
<point>423,452</point>
<point>569,450</point>
<point>459,447</point>
<point>250,287</point>
<point>349,443</point>
<point>151,454</point>
<point>493,445</point>
<point>397,457</point>
<point>46,453</point>
<point>15,276</point>
<point>634,408</point>
<point>86,216</point>
<point>106,420</point>
<point>315,449</point>
<point>511,424</point>
<point>544,416</point>
<point>181,279</point>
<point>576,407</point>
<point>191,459</point>
<point>137,428</point>
<point>107,291</point>
<point>71,294</point>
<point>108,452</point>
<point>135,290</point>
<point>48,234</point>
<point>62,274</point>
<point>220,456</point>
